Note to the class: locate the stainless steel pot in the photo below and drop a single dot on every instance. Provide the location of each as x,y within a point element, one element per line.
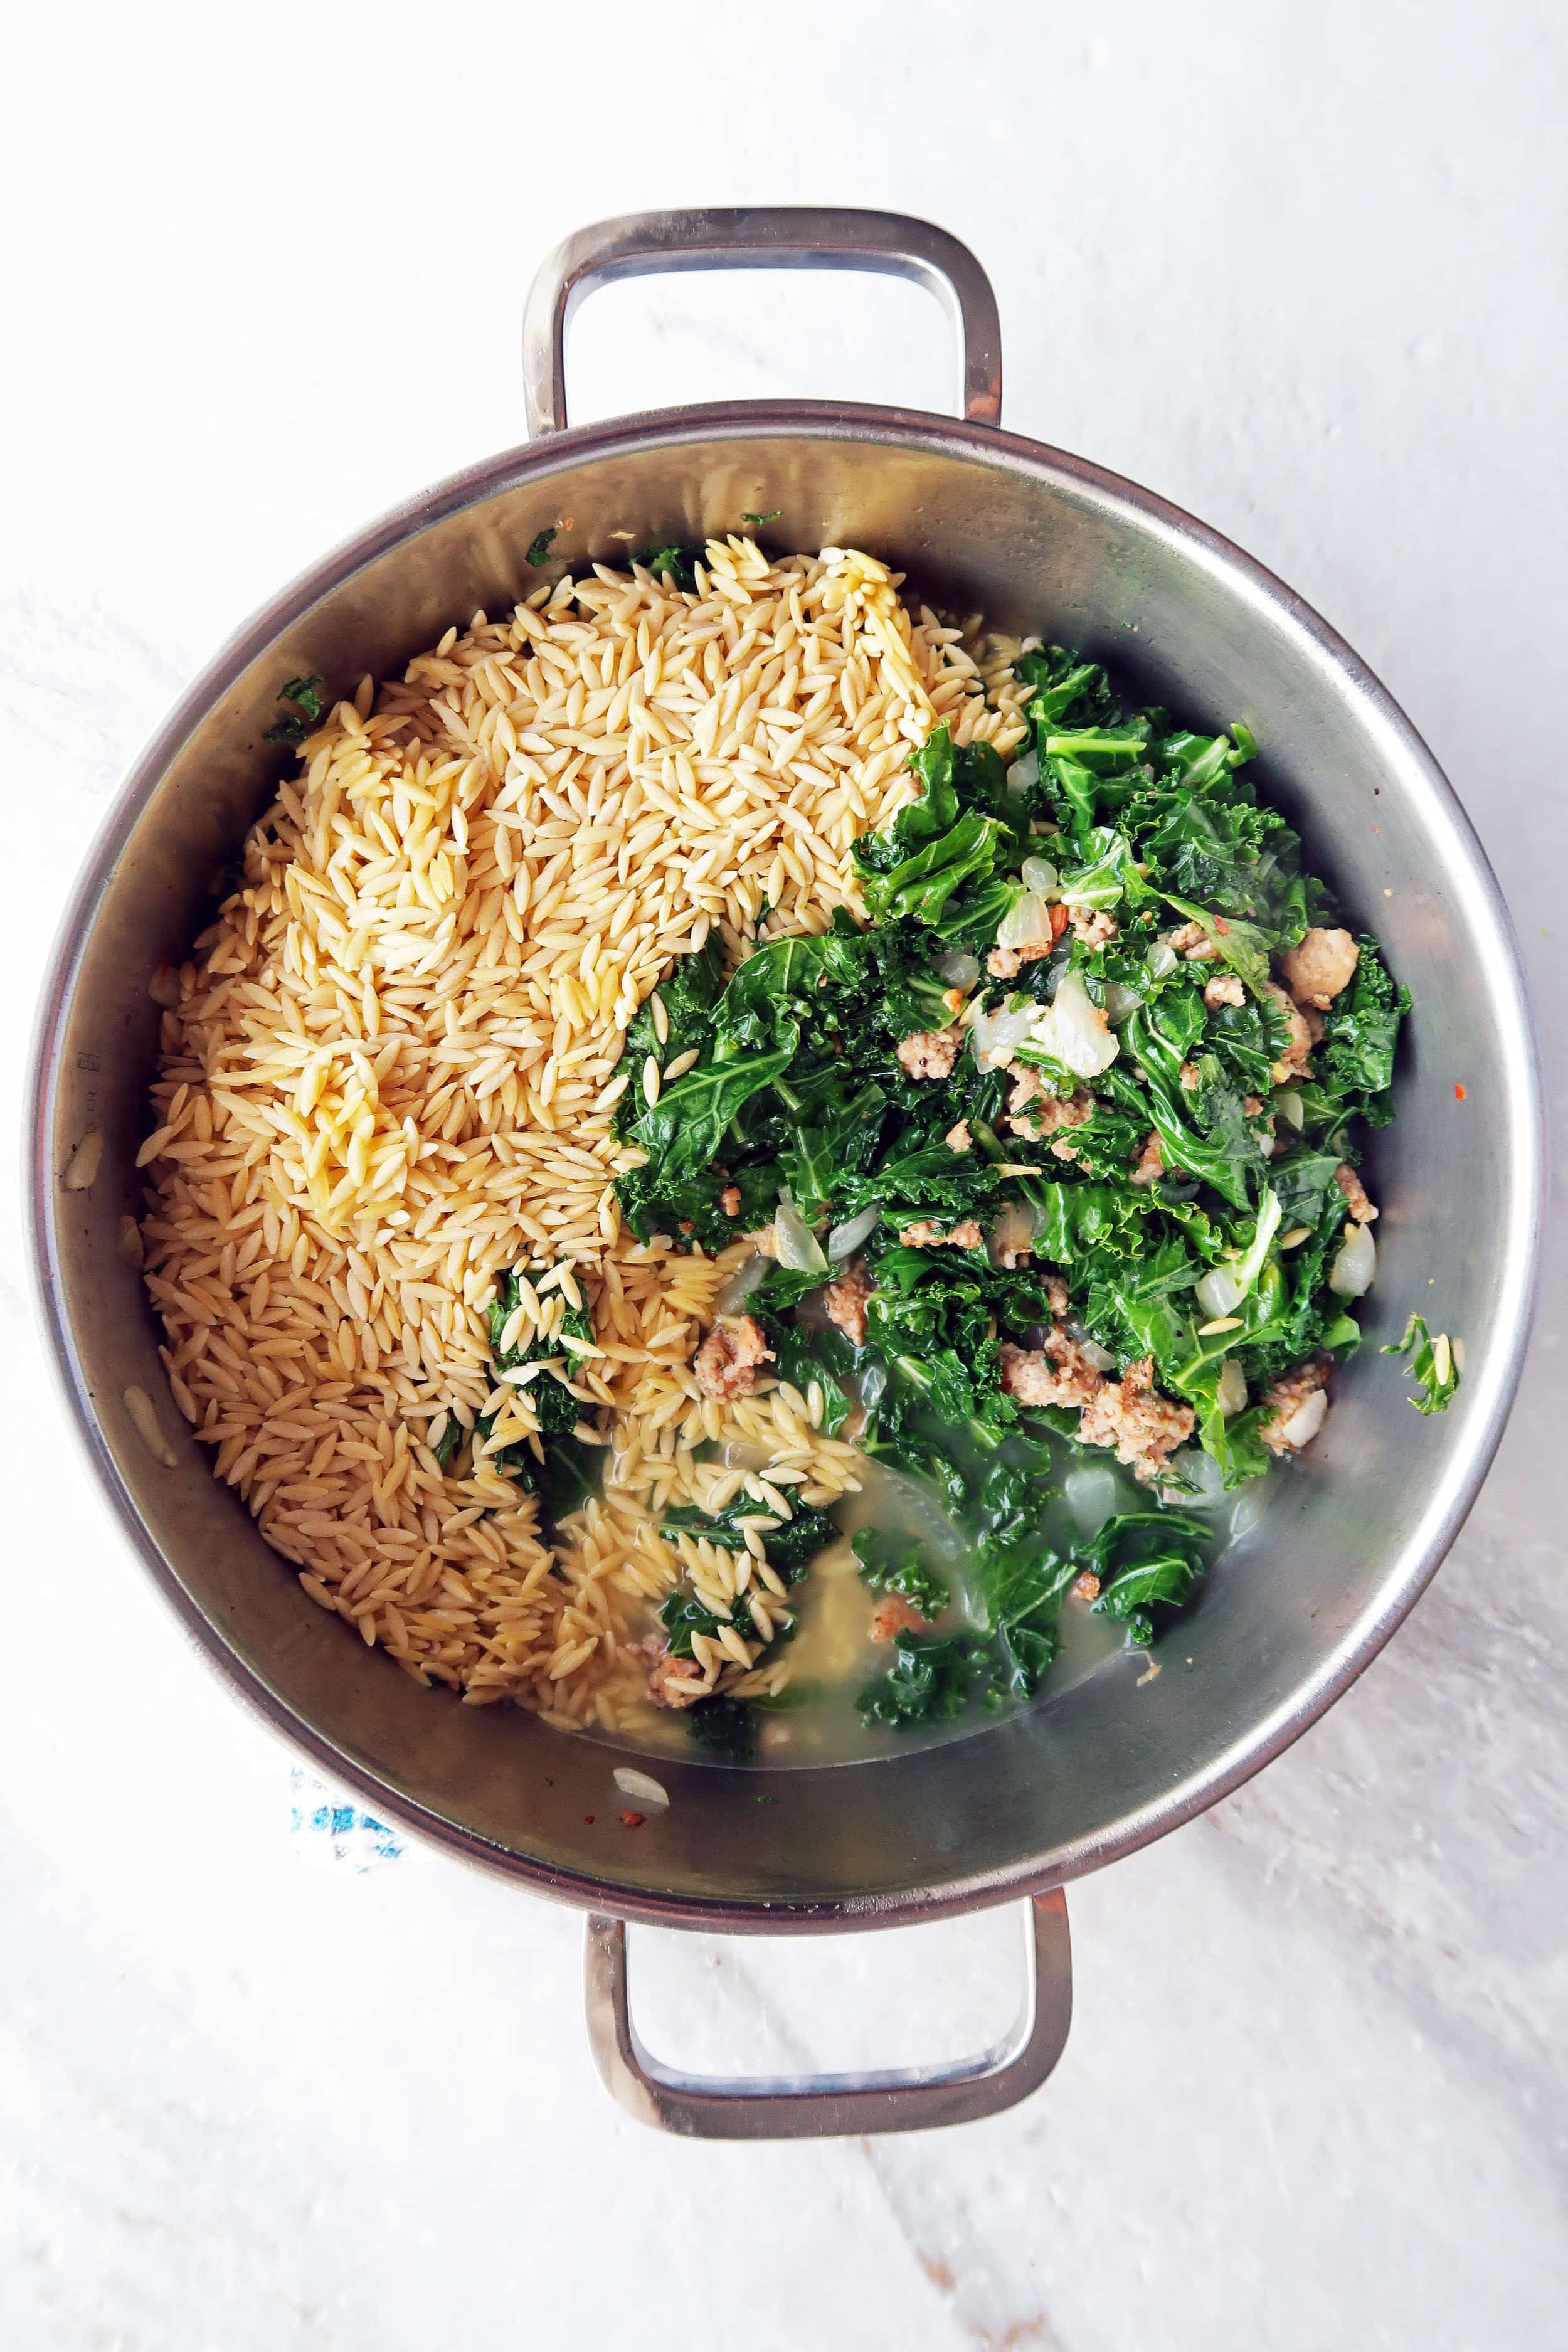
<point>1042,541</point>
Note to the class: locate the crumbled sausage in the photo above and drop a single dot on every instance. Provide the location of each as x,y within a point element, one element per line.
<point>1093,926</point>
<point>1295,1408</point>
<point>1056,1373</point>
<point>1143,1427</point>
<point>1292,1063</point>
<point>729,1200</point>
<point>764,1241</point>
<point>1188,1075</point>
<point>1055,1111</point>
<point>1317,968</point>
<point>672,1681</point>
<point>953,998</point>
<point>1150,1165</point>
<point>1007,963</point>
<point>1085,1586</point>
<point>1194,942</point>
<point>727,1361</point>
<point>894,1614</point>
<point>925,1235</point>
<point>958,1138</point>
<point>1355,1193</point>
<point>844,1302</point>
<point>931,1053</point>
<point>1224,989</point>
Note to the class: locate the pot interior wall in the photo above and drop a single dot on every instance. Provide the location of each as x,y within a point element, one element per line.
<point>1039,545</point>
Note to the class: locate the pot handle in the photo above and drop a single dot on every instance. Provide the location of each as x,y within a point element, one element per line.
<point>828,2106</point>
<point>788,237</point>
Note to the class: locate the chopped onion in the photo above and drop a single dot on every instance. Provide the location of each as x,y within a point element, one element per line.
<point>743,1282</point>
<point>1026,923</point>
<point>845,1239</point>
<point>1040,874</point>
<point>1014,1231</point>
<point>1024,773</point>
<point>1352,1271</point>
<point>1230,1388</point>
<point>1250,1504</point>
<point>1093,1353</point>
<point>640,1784</point>
<point>998,1036</point>
<point>1201,1472</point>
<point>1224,1287</point>
<point>958,968</point>
<point>1291,1108</point>
<point>1221,1291</point>
<point>1090,1495</point>
<point>1307,1420</point>
<point>1121,1002</point>
<point>1161,960</point>
<point>1075,1031</point>
<point>795,1246</point>
<point>81,1168</point>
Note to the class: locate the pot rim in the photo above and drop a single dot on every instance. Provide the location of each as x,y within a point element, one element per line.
<point>1523,1142</point>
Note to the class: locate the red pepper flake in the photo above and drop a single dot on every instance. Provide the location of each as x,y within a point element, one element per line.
<point>589,1819</point>
<point>1458,1092</point>
<point>634,1821</point>
<point>1220,924</point>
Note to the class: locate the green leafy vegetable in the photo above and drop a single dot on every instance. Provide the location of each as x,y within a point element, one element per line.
<point>726,1724</point>
<point>892,1564</point>
<point>305,694</point>
<point>539,545</point>
<point>929,1681</point>
<point>1176,1210</point>
<point>772,516</point>
<point>676,564</point>
<point>555,1408</point>
<point>790,1548</point>
<point>1361,1027</point>
<point>1432,1365</point>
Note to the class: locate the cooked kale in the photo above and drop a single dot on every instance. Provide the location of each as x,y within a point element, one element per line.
<point>1142,1558</point>
<point>305,694</point>
<point>893,1564</point>
<point>555,1408</point>
<point>929,1681</point>
<point>1432,1365</point>
<point>726,1724</point>
<point>1141,1165</point>
<point>791,1547</point>
<point>539,547</point>
<point>674,564</point>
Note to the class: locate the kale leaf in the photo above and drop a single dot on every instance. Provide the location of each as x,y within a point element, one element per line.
<point>1432,1365</point>
<point>305,694</point>
<point>791,1548</point>
<point>894,1564</point>
<point>1361,1027</point>
<point>676,564</point>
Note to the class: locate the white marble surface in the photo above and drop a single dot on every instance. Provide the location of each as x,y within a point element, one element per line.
<point>1297,267</point>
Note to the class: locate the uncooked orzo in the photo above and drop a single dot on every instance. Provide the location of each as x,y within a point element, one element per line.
<point>388,1073</point>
